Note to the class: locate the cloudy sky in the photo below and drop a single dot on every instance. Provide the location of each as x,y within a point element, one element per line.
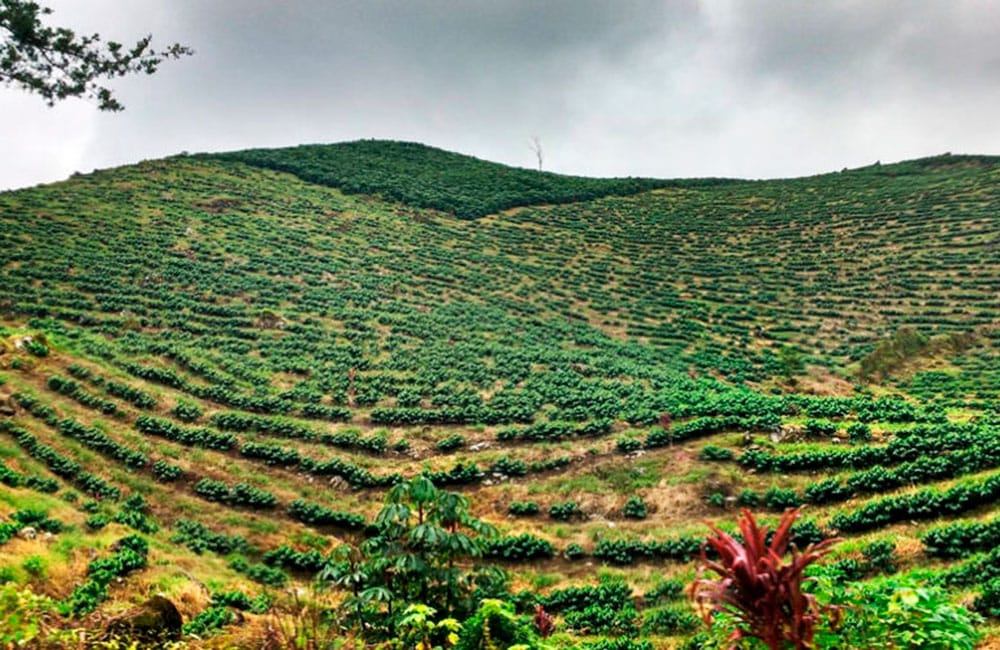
<point>618,87</point>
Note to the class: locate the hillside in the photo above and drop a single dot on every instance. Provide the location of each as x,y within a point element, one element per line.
<point>261,343</point>
<point>425,177</point>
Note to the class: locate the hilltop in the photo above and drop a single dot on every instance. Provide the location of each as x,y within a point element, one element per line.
<point>427,177</point>
<point>261,343</point>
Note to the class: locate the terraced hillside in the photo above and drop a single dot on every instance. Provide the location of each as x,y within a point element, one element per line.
<point>236,357</point>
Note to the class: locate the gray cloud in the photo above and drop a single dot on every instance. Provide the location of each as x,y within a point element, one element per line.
<point>668,88</point>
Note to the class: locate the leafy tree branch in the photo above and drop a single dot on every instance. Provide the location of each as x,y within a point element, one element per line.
<point>57,63</point>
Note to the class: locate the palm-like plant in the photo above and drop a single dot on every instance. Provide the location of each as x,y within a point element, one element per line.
<point>760,583</point>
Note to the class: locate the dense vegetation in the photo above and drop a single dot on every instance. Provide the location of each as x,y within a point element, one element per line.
<point>266,380</point>
<point>426,177</point>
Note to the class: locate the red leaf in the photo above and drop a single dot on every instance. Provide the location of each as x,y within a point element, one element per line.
<point>759,585</point>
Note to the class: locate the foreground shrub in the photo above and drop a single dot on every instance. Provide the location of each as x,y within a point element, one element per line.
<point>889,614</point>
<point>759,586</point>
<point>495,625</point>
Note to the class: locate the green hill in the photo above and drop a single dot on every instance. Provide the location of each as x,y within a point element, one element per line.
<point>261,343</point>
<point>425,177</point>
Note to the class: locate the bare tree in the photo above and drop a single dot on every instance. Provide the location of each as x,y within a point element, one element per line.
<point>536,147</point>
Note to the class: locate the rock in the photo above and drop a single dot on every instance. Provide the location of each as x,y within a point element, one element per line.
<point>27,533</point>
<point>7,406</point>
<point>155,621</point>
<point>338,483</point>
<point>22,342</point>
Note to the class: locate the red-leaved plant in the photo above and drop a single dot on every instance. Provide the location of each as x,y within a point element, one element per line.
<point>544,622</point>
<point>759,585</point>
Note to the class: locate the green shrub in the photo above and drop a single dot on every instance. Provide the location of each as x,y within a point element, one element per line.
<point>186,411</point>
<point>317,515</point>
<point>518,548</point>
<point>35,566</point>
<point>988,601</point>
<point>891,613</point>
<point>621,643</point>
<point>495,625</point>
<point>37,519</point>
<point>239,600</point>
<point>565,511</point>
<point>37,348</point>
<point>574,552</point>
<point>262,573</point>
<point>523,508</point>
<point>859,433</point>
<point>97,521</point>
<point>748,498</point>
<point>669,620</point>
<point>666,590</point>
<point>880,557</point>
<point>165,472</point>
<point>712,452</point>
<point>781,499</point>
<point>212,490</point>
<point>451,443</point>
<point>509,467</point>
<point>601,619</point>
<point>628,445</point>
<point>209,620</point>
<point>635,508</point>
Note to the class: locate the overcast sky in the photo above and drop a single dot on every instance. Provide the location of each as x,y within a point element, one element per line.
<point>668,89</point>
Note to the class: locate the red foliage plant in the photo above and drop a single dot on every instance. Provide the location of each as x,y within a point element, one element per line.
<point>544,622</point>
<point>760,586</point>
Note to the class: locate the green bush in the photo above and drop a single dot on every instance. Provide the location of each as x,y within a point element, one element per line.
<point>97,522</point>
<point>209,620</point>
<point>574,552</point>
<point>212,490</point>
<point>451,443</point>
<point>37,348</point>
<point>600,619</point>
<point>890,614</point>
<point>987,602</point>
<point>663,591</point>
<point>165,472</point>
<point>495,625</point>
<point>781,499</point>
<point>186,411</point>
<point>523,508</point>
<point>859,433</point>
<point>672,620</point>
<point>518,548</point>
<point>712,452</point>
<point>628,445</point>
<point>635,508</point>
<point>317,515</point>
<point>35,566</point>
<point>565,511</point>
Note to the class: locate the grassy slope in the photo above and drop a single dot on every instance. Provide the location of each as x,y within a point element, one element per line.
<point>612,307</point>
